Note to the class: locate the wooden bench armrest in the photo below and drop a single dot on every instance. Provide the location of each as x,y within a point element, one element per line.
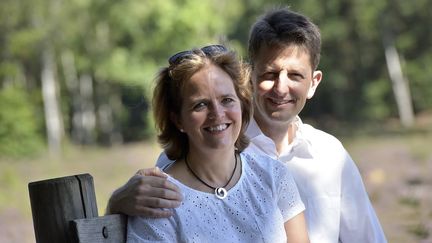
<point>107,229</point>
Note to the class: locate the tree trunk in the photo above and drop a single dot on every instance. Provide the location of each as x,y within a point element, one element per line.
<point>83,116</point>
<point>399,83</point>
<point>53,120</point>
<point>110,129</point>
<point>72,85</point>
<point>88,117</point>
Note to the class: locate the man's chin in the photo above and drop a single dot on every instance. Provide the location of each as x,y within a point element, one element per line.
<point>280,118</point>
<point>274,116</point>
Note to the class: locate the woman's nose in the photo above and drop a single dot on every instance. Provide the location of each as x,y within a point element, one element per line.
<point>216,112</point>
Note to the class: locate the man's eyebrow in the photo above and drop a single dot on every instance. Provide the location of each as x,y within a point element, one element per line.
<point>269,68</point>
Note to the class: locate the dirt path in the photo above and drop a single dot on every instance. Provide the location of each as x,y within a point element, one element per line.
<point>399,183</point>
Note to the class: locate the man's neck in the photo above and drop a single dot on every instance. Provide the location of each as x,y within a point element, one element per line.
<point>282,134</point>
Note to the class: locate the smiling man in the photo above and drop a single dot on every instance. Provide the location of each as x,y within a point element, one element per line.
<point>284,51</point>
<point>283,80</point>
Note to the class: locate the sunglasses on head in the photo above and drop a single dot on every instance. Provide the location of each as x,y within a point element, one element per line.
<point>208,50</point>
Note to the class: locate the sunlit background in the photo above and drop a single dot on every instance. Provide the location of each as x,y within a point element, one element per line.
<point>76,77</point>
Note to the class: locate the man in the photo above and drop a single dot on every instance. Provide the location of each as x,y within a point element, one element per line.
<point>284,50</point>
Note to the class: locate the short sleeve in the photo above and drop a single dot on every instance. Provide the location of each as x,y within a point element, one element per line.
<point>289,201</point>
<point>140,229</point>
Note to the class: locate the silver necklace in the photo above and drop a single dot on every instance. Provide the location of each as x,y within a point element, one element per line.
<point>220,192</point>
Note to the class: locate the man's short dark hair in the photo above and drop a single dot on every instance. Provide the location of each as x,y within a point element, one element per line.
<point>283,27</point>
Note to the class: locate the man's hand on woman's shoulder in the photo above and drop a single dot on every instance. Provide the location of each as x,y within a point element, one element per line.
<point>148,193</point>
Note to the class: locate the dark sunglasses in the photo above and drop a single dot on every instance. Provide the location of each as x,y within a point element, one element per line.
<point>208,50</point>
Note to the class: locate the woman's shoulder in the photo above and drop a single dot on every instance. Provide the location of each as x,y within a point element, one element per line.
<point>263,164</point>
<point>261,159</point>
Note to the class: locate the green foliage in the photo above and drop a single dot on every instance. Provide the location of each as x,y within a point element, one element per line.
<point>18,129</point>
<point>419,76</point>
<point>121,44</point>
<point>353,59</point>
<point>420,231</point>
<point>376,102</point>
<point>136,116</point>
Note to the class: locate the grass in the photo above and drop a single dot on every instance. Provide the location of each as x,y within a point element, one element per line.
<point>395,168</point>
<point>110,168</point>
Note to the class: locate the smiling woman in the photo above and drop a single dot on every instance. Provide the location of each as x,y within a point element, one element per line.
<point>202,105</point>
<point>211,110</point>
<point>207,109</point>
<point>173,81</point>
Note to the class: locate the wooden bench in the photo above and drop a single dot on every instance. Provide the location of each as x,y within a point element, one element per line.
<point>65,210</point>
<point>110,228</point>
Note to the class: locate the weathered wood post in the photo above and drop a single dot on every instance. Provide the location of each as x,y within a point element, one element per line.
<point>56,202</point>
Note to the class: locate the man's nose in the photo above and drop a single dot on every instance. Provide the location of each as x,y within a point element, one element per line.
<point>281,86</point>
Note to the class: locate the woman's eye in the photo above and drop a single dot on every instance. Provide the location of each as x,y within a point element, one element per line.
<point>227,100</point>
<point>199,106</point>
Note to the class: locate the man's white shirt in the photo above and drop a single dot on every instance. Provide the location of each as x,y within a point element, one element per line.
<point>338,208</point>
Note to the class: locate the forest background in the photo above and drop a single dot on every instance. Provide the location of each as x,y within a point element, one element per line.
<point>76,77</point>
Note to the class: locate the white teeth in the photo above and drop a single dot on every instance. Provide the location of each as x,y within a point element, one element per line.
<point>218,128</point>
<point>280,102</point>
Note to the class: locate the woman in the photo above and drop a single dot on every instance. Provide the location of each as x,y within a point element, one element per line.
<point>202,106</point>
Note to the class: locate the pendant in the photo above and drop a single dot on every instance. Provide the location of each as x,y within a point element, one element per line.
<point>221,193</point>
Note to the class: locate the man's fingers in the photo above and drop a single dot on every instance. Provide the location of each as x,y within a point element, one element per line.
<point>148,193</point>
<point>161,190</point>
<point>155,207</point>
<point>172,188</point>
<point>155,171</point>
<point>156,213</point>
<point>154,202</point>
<point>153,186</point>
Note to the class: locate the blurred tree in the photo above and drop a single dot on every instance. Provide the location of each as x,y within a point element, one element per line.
<point>19,135</point>
<point>102,56</point>
<point>129,40</point>
<point>409,25</point>
<point>19,92</point>
<point>105,55</point>
<point>356,85</point>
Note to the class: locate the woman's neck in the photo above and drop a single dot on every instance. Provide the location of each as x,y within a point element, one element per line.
<point>215,167</point>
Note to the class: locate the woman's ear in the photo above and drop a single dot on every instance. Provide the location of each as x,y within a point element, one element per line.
<point>174,119</point>
<point>316,79</point>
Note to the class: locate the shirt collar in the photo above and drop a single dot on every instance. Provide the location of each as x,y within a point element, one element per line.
<point>302,145</point>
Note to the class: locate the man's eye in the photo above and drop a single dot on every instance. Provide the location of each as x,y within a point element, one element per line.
<point>296,76</point>
<point>269,76</point>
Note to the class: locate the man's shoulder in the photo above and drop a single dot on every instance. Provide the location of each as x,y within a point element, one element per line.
<point>317,136</point>
<point>163,161</point>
